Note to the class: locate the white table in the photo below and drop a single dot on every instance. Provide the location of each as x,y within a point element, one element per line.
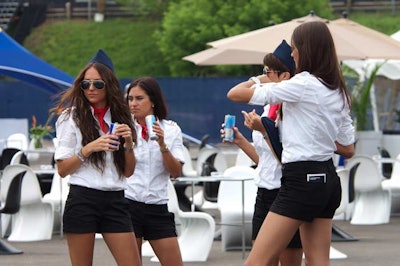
<point>217,178</point>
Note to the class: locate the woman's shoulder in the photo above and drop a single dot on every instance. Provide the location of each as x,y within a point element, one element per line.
<point>170,125</point>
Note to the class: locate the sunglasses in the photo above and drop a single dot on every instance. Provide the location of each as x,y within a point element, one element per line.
<point>98,84</point>
<point>266,71</point>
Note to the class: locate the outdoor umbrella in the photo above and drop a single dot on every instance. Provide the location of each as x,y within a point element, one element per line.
<point>352,41</point>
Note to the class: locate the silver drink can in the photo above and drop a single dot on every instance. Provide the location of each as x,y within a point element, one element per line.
<point>229,124</point>
<point>150,119</point>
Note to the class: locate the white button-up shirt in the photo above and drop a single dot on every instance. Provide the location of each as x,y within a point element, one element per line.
<point>268,168</point>
<point>70,142</point>
<point>314,117</point>
<point>148,184</point>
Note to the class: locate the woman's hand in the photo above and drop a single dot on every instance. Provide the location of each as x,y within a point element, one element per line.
<point>253,121</point>
<point>237,135</point>
<point>124,131</point>
<point>159,132</point>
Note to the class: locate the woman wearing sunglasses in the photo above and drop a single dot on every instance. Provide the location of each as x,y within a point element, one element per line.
<point>98,163</point>
<point>156,161</point>
<point>278,66</point>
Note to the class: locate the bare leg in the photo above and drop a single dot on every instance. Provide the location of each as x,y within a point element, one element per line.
<point>291,257</point>
<point>274,236</point>
<point>167,251</point>
<point>80,248</point>
<point>316,241</point>
<point>123,247</point>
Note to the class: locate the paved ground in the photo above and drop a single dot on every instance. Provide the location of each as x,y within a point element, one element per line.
<point>376,245</point>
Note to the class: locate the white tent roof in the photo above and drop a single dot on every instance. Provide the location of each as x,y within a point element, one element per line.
<point>390,69</point>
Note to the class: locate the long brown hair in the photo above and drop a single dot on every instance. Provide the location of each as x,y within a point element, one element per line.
<point>83,117</point>
<point>317,55</point>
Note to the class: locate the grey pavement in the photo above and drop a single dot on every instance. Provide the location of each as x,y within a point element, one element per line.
<point>376,245</point>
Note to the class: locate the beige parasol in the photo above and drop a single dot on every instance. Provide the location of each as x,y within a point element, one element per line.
<point>352,41</point>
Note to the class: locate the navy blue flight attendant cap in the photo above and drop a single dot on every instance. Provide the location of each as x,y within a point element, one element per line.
<point>102,58</point>
<point>282,52</point>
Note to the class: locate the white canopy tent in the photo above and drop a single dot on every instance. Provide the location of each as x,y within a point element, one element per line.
<point>388,77</point>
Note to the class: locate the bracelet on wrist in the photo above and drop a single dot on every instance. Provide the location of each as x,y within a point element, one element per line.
<point>255,80</point>
<point>80,156</point>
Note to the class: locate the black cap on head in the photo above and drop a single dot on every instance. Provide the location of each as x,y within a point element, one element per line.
<point>282,52</point>
<point>102,58</point>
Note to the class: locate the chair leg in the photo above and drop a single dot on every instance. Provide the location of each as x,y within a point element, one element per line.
<point>7,249</point>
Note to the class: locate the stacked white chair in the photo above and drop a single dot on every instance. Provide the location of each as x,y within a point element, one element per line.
<point>18,141</point>
<point>195,231</point>
<point>34,220</point>
<point>57,197</point>
<point>243,159</point>
<point>6,218</point>
<point>372,203</point>
<point>187,168</point>
<point>393,184</point>
<point>230,207</point>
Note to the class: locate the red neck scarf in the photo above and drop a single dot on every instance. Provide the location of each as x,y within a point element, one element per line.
<point>144,131</point>
<point>101,112</point>
<point>273,111</point>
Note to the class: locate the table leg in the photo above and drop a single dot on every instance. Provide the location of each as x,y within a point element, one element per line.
<point>193,205</point>
<point>243,224</point>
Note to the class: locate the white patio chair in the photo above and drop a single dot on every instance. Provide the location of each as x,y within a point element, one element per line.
<point>57,197</point>
<point>34,220</point>
<point>372,204</point>
<point>243,159</point>
<point>195,234</point>
<point>187,168</point>
<point>18,141</point>
<point>393,184</point>
<point>230,206</point>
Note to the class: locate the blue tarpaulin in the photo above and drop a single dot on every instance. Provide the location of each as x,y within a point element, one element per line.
<point>18,63</point>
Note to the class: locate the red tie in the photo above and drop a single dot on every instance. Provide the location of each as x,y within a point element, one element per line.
<point>101,112</point>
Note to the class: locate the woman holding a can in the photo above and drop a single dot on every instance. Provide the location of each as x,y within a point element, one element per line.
<point>159,156</point>
<point>97,162</point>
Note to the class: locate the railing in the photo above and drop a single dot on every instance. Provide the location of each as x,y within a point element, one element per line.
<point>354,5</point>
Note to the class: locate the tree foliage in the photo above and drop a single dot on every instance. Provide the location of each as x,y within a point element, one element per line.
<point>189,24</point>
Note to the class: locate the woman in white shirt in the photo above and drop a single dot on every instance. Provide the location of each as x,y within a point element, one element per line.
<point>97,162</point>
<point>278,66</point>
<point>316,124</point>
<point>156,161</point>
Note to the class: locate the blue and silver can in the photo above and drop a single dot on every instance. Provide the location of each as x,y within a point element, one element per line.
<point>230,121</point>
<point>150,119</point>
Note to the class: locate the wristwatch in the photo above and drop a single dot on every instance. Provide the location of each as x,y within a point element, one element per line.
<point>126,148</point>
<point>165,149</point>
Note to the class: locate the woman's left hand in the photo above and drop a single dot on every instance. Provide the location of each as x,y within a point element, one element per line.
<point>124,131</point>
<point>159,132</point>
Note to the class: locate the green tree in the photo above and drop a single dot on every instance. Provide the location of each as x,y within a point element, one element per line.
<point>189,24</point>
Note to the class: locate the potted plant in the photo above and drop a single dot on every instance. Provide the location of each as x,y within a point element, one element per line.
<point>367,140</point>
<point>38,132</point>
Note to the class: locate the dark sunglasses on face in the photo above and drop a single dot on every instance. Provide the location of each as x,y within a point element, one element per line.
<point>98,84</point>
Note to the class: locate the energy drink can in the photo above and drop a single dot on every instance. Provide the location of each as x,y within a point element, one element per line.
<point>229,124</point>
<point>113,127</point>
<point>150,119</point>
